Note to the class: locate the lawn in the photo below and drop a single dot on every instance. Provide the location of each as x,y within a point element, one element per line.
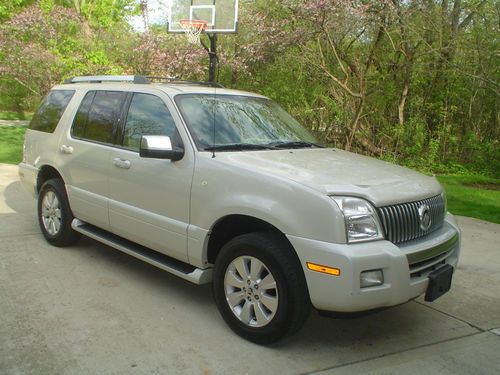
<point>9,115</point>
<point>469,195</point>
<point>11,144</point>
<point>474,196</point>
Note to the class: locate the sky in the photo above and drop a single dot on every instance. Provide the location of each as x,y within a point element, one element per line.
<point>157,13</point>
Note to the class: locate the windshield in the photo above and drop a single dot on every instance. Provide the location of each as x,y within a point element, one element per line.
<point>241,122</point>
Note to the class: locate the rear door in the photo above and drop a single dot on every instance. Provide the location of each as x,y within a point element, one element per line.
<point>86,151</point>
<point>149,198</point>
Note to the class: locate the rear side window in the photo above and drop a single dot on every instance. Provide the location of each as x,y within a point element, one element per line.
<point>97,116</point>
<point>51,110</point>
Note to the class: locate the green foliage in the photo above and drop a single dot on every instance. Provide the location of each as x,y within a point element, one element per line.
<point>473,195</point>
<point>11,144</point>
<point>107,13</point>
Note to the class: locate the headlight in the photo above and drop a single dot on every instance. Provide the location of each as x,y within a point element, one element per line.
<point>361,220</point>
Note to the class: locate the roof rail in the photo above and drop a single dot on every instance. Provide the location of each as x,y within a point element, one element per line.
<point>99,79</point>
<point>138,79</point>
<point>183,82</point>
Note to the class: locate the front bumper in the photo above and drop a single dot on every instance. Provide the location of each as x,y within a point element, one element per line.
<point>405,268</point>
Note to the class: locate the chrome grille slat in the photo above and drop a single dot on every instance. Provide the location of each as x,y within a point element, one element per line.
<point>394,219</point>
<point>417,222</point>
<point>407,221</point>
<point>401,222</point>
<point>385,224</point>
<point>412,222</point>
<point>432,204</point>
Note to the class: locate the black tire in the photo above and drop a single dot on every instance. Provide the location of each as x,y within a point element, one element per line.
<point>293,306</point>
<point>65,235</point>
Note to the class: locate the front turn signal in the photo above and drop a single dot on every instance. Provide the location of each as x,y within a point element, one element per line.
<point>323,269</point>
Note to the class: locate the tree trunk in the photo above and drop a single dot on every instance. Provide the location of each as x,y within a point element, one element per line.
<point>404,96</point>
<point>354,123</point>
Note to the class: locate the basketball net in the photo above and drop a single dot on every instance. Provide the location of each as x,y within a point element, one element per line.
<point>193,29</point>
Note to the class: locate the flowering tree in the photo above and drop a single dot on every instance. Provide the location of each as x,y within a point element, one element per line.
<point>45,43</point>
<point>159,54</point>
<point>31,45</point>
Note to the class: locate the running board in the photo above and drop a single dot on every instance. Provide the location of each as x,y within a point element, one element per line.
<point>174,266</point>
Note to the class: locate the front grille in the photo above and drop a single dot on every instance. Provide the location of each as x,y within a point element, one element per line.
<point>423,262</point>
<point>401,222</point>
<point>427,266</point>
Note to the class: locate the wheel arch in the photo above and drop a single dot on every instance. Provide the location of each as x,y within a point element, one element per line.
<point>45,173</point>
<point>230,226</point>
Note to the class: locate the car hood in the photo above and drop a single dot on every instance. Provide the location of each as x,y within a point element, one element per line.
<point>336,172</point>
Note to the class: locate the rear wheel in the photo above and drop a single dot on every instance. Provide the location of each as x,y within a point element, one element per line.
<point>259,287</point>
<point>54,214</point>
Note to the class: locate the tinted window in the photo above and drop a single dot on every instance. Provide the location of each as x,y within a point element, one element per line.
<point>147,115</point>
<point>82,114</point>
<point>51,110</point>
<point>97,115</point>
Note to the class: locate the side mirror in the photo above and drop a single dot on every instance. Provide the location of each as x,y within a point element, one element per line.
<point>159,147</point>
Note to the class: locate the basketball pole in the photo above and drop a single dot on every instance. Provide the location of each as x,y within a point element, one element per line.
<point>212,56</point>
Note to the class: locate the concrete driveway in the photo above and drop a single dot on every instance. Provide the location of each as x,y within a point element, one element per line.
<point>90,309</point>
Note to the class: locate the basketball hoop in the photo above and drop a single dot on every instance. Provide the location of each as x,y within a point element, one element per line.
<point>193,29</point>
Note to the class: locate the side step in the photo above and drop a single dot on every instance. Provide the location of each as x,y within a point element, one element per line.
<point>174,266</point>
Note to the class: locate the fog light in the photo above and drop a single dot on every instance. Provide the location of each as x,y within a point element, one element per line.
<point>371,278</point>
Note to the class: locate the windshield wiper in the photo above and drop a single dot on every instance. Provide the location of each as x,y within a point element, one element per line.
<point>293,144</point>
<point>239,147</point>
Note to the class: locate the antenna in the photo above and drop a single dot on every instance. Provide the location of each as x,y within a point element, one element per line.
<point>213,120</point>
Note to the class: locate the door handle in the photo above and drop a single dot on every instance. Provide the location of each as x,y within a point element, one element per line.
<point>122,163</point>
<point>66,149</point>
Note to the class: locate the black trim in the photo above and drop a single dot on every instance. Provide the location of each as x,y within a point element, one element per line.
<point>174,155</point>
<point>120,129</point>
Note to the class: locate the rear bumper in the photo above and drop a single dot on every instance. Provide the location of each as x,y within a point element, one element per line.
<point>28,175</point>
<point>405,269</point>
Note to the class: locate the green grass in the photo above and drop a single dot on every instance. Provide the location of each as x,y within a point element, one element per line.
<point>11,144</point>
<point>9,115</point>
<point>474,196</point>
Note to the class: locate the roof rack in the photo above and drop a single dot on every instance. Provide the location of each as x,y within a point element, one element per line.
<point>99,79</point>
<point>183,82</point>
<point>138,79</point>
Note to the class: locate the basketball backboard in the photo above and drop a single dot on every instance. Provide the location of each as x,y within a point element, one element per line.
<point>221,15</point>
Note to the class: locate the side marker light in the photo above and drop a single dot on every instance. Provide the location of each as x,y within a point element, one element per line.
<point>323,269</point>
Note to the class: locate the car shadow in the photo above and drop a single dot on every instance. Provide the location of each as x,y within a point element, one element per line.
<point>17,199</point>
<point>369,330</point>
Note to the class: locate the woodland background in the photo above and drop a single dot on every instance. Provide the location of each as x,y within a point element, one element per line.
<point>414,81</point>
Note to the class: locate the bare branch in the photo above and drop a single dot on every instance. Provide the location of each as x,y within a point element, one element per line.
<point>332,46</point>
<point>325,69</point>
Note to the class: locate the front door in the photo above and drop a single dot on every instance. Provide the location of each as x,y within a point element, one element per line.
<point>149,198</point>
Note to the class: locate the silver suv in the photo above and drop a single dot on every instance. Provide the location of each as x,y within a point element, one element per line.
<point>223,186</point>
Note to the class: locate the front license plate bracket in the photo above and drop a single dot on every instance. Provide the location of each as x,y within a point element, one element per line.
<point>439,282</point>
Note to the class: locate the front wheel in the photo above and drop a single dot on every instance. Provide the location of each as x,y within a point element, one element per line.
<point>259,287</point>
<point>54,214</point>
